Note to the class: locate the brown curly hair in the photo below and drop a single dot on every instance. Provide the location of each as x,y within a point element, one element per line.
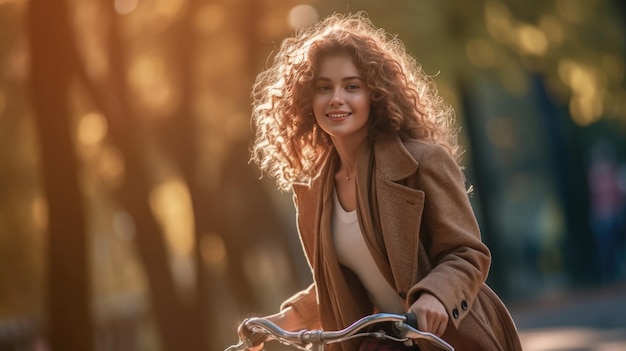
<point>404,100</point>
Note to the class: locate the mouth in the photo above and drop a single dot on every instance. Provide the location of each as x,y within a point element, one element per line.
<point>338,115</point>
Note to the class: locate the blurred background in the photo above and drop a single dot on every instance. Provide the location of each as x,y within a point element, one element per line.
<point>131,219</point>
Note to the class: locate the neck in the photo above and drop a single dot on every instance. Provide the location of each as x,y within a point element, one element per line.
<point>347,158</point>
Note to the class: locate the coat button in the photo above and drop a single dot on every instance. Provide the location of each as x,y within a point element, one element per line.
<point>402,295</point>
<point>464,305</point>
<point>455,313</point>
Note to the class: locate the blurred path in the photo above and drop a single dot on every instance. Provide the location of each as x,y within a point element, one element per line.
<point>585,321</point>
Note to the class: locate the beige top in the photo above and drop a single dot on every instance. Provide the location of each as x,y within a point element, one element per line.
<point>353,253</point>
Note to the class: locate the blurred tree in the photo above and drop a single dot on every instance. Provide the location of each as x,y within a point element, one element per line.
<point>68,290</point>
<point>169,80</point>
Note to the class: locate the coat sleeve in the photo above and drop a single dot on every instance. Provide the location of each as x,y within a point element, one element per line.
<point>304,303</point>
<point>450,235</point>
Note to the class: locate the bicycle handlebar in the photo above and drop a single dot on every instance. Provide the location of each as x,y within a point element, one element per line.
<point>320,338</point>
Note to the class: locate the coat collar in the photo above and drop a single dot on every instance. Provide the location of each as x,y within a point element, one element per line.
<point>395,168</point>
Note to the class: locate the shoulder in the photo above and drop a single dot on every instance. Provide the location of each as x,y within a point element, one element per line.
<point>397,159</point>
<point>434,163</point>
<point>422,151</point>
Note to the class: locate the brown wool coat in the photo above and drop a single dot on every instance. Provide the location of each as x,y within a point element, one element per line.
<point>416,218</point>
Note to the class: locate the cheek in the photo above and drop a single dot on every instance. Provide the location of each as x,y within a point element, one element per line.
<point>319,104</point>
<point>365,103</point>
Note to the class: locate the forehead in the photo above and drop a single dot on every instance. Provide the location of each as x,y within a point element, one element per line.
<point>336,66</point>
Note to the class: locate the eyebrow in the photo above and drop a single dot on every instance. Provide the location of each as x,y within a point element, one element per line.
<point>343,79</point>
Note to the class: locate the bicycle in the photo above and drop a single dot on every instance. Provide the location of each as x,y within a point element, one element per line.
<point>257,330</point>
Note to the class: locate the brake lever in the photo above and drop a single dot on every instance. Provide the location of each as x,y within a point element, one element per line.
<point>248,336</point>
<point>404,330</point>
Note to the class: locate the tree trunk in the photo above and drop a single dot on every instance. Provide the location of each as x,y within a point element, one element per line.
<point>70,326</point>
<point>175,318</point>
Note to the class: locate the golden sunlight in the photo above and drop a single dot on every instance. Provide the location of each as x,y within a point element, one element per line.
<point>213,252</point>
<point>124,7</point>
<point>110,165</point>
<point>531,40</point>
<point>92,129</point>
<point>588,87</point>
<point>39,210</point>
<point>171,203</point>
<point>150,81</point>
<point>302,16</point>
<point>210,18</point>
<point>585,110</point>
<point>169,8</point>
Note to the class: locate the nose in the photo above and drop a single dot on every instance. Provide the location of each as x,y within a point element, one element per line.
<point>337,98</point>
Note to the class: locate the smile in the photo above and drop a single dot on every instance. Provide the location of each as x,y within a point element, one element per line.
<point>338,115</point>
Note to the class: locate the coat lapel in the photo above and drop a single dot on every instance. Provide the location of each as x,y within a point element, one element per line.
<point>314,205</point>
<point>400,209</point>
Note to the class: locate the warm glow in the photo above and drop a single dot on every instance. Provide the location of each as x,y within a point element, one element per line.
<point>561,339</point>
<point>302,16</point>
<point>16,62</point>
<point>274,24</point>
<point>168,8</point>
<point>213,251</point>
<point>171,203</point>
<point>124,7</point>
<point>124,225</point>
<point>149,79</point>
<point>588,87</point>
<point>110,164</point>
<point>585,110</point>
<point>92,129</point>
<point>210,18</point>
<point>39,208</point>
<point>531,40</point>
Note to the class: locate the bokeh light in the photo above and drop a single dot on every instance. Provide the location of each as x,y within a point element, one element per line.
<point>302,16</point>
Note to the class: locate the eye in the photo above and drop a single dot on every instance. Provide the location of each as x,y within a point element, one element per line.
<point>322,88</point>
<point>352,86</point>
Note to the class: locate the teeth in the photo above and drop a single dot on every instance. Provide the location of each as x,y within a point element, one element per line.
<point>338,115</point>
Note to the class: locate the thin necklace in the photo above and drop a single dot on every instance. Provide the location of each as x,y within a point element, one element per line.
<point>347,175</point>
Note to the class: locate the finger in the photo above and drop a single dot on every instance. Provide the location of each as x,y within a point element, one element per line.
<point>440,329</point>
<point>422,322</point>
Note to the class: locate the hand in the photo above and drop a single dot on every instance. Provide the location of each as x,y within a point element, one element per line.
<point>255,338</point>
<point>286,319</point>
<point>431,314</point>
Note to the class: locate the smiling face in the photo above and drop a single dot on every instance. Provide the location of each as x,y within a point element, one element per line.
<point>341,101</point>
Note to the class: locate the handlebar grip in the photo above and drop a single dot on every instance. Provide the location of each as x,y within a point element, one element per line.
<point>411,319</point>
<point>249,336</point>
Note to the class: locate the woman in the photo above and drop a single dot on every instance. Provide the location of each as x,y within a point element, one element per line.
<point>349,122</point>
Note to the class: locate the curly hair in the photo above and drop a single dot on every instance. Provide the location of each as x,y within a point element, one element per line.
<point>404,100</point>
